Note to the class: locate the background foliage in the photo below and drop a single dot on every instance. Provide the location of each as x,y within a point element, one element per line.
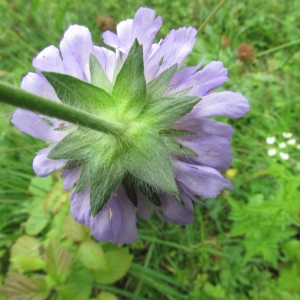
<point>244,246</point>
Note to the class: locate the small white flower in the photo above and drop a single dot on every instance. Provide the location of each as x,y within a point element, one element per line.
<point>287,135</point>
<point>284,156</point>
<point>270,140</point>
<point>282,145</point>
<point>272,152</point>
<point>291,141</point>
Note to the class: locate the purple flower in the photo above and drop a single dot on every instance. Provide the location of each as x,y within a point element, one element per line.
<point>204,142</point>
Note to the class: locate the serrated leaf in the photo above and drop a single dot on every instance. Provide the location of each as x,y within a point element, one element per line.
<point>75,231</point>
<point>98,76</point>
<point>84,179</point>
<point>77,145</point>
<point>78,285</point>
<point>80,94</point>
<point>175,148</point>
<point>157,87</point>
<point>148,160</point>
<point>161,113</point>
<point>17,287</point>
<point>38,218</point>
<point>129,91</point>
<point>91,255</point>
<point>25,263</point>
<point>58,261</point>
<point>25,245</point>
<point>129,189</point>
<point>106,174</point>
<point>119,262</point>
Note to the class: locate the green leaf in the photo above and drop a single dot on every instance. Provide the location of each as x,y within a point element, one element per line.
<point>106,174</point>
<point>91,255</point>
<point>84,179</point>
<point>106,296</point>
<point>78,285</point>
<point>77,145</point>
<point>38,217</point>
<point>149,160</point>
<point>119,262</point>
<point>25,263</point>
<point>157,87</point>
<point>80,94</point>
<point>75,231</point>
<point>149,193</point>
<point>98,76</point>
<point>25,245</point>
<point>40,186</point>
<point>175,148</point>
<point>17,287</point>
<point>129,189</point>
<point>130,87</point>
<point>161,113</point>
<point>58,261</point>
<point>176,133</point>
<point>72,164</point>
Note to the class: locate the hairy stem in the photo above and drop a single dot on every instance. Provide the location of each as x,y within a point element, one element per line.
<point>20,98</point>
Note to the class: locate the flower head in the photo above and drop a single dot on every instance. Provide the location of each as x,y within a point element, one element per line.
<point>170,150</point>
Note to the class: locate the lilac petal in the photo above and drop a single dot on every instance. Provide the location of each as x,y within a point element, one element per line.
<point>76,47</point>
<point>49,60</point>
<point>145,27</point>
<point>144,210</point>
<point>204,126</point>
<point>108,223</point>
<point>175,211</point>
<point>213,151</point>
<point>209,78</point>
<point>70,177</point>
<point>43,166</point>
<point>80,205</point>
<point>35,126</point>
<point>181,79</point>
<point>225,104</point>
<point>182,45</point>
<point>38,85</point>
<point>129,232</point>
<point>107,59</point>
<point>186,199</point>
<point>112,40</point>
<point>200,180</point>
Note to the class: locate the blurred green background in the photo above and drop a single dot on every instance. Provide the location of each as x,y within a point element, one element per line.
<point>244,246</point>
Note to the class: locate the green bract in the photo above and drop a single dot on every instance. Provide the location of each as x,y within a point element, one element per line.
<point>140,156</point>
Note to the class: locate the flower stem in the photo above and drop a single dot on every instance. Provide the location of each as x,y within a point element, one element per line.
<point>20,98</point>
<point>211,16</point>
<point>277,48</point>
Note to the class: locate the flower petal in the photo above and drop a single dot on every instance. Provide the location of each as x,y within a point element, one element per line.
<point>70,177</point>
<point>38,85</point>
<point>213,151</point>
<point>204,126</point>
<point>108,223</point>
<point>43,166</point>
<point>129,233</point>
<point>49,60</point>
<point>35,126</point>
<point>144,210</point>
<point>200,180</point>
<point>174,211</point>
<point>80,205</point>
<point>225,104</point>
<point>76,47</point>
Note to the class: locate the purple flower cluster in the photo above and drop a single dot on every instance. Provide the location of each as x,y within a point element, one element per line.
<point>194,176</point>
